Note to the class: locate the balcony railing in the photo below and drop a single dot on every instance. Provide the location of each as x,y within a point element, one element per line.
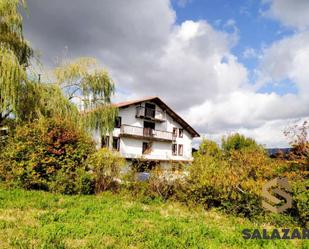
<point>143,112</point>
<point>140,132</point>
<point>151,156</point>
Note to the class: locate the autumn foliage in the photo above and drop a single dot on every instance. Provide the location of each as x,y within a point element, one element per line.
<point>39,153</point>
<point>231,178</point>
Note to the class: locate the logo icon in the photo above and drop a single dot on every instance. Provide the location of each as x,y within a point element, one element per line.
<point>268,192</point>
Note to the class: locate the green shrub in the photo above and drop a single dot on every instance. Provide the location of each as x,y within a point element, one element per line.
<point>232,179</point>
<point>86,183</point>
<point>166,184</point>
<point>297,170</point>
<point>234,183</point>
<point>80,181</point>
<point>106,166</point>
<point>163,184</point>
<point>237,142</point>
<point>301,201</point>
<point>209,148</point>
<point>143,165</point>
<point>46,154</point>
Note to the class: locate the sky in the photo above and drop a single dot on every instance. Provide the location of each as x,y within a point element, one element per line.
<point>224,66</point>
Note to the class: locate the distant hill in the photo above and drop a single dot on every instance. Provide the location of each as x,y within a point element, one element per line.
<point>274,151</point>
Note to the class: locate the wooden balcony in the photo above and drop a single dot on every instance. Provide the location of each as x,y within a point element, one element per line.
<point>146,133</point>
<point>148,113</point>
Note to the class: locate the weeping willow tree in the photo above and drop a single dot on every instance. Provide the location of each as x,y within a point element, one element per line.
<point>11,30</point>
<point>80,82</point>
<point>14,56</point>
<point>91,88</point>
<point>45,100</point>
<point>20,98</point>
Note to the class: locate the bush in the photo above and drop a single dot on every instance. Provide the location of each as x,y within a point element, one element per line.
<point>209,148</point>
<point>301,201</point>
<point>297,170</point>
<point>162,184</point>
<point>232,179</point>
<point>299,142</point>
<point>80,181</point>
<point>167,184</point>
<point>143,165</point>
<point>238,142</point>
<point>48,155</point>
<point>106,166</point>
<point>232,183</point>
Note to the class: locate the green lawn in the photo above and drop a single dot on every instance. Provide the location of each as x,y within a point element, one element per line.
<point>30,219</point>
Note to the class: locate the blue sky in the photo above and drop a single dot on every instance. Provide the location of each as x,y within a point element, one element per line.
<point>249,20</point>
<point>255,29</point>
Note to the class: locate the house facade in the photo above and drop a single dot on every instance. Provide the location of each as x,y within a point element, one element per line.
<point>149,129</point>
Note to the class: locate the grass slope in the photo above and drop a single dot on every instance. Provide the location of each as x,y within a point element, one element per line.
<point>30,219</point>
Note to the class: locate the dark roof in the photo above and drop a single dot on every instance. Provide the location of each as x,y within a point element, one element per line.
<point>163,106</point>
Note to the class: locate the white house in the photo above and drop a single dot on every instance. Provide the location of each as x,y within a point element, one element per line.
<point>149,129</point>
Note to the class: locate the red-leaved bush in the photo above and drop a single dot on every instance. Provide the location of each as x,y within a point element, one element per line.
<point>49,154</point>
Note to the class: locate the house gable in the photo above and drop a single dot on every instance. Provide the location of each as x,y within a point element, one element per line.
<point>164,109</point>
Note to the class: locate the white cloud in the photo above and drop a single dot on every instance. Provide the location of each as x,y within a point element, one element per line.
<point>183,3</point>
<point>190,65</point>
<point>262,115</point>
<point>196,60</point>
<point>287,59</point>
<point>290,13</point>
<point>247,109</point>
<point>250,53</point>
<point>230,22</point>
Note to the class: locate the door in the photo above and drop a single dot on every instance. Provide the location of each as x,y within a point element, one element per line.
<point>149,128</point>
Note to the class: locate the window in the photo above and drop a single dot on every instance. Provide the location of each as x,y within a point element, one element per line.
<point>146,148</point>
<point>174,132</point>
<point>150,110</point>
<point>105,141</point>
<point>180,132</point>
<point>118,122</point>
<point>180,149</point>
<point>116,143</point>
<point>174,149</point>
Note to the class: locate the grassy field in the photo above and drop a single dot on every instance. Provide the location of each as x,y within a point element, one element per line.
<point>30,219</point>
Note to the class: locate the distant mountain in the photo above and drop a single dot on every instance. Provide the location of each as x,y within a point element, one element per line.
<point>274,151</point>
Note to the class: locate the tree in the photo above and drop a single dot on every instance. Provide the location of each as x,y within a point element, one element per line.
<point>237,142</point>
<point>84,83</point>
<point>11,30</point>
<point>15,54</point>
<point>209,148</point>
<point>45,100</point>
<point>80,81</point>
<point>106,166</point>
<point>12,75</point>
<point>299,141</point>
